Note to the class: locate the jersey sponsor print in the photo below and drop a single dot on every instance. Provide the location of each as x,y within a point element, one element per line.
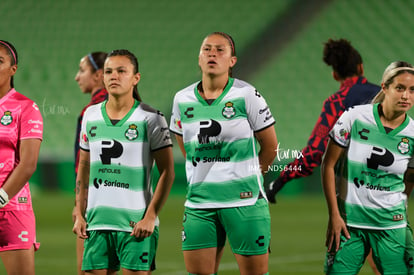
<point>371,184</point>
<point>121,164</point>
<point>220,144</point>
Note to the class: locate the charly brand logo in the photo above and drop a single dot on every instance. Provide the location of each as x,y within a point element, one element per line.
<point>7,118</point>
<point>23,236</point>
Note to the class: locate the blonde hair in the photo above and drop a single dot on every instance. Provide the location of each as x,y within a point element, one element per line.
<point>394,69</point>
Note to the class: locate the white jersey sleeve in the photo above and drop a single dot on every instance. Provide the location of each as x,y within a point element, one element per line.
<point>83,137</point>
<point>341,132</point>
<point>158,133</point>
<point>258,111</point>
<point>175,122</point>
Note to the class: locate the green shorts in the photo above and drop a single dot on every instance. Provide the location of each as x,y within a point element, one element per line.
<point>247,228</point>
<point>108,249</point>
<point>391,251</point>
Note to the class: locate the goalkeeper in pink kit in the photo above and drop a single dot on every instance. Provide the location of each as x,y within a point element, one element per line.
<point>21,129</point>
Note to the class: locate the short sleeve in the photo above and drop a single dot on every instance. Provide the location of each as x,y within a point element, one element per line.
<point>258,112</point>
<point>31,122</point>
<point>83,135</point>
<point>175,122</point>
<point>159,135</point>
<point>341,131</point>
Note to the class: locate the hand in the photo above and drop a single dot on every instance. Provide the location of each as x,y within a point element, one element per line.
<point>4,198</point>
<point>336,229</point>
<point>142,229</point>
<point>272,189</point>
<point>79,227</point>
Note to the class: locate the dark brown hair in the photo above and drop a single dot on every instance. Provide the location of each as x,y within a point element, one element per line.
<point>134,62</point>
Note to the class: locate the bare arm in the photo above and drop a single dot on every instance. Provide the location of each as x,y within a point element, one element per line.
<point>82,183</point>
<point>165,164</point>
<point>336,224</point>
<point>180,144</point>
<point>409,181</point>
<point>268,145</point>
<point>29,154</point>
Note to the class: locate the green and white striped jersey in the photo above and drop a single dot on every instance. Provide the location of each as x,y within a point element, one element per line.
<point>120,164</point>
<point>372,186</point>
<point>222,162</point>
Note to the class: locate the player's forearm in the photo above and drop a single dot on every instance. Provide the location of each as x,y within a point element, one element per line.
<point>329,189</point>
<point>82,184</point>
<point>18,178</point>
<point>161,193</point>
<point>266,158</point>
<point>409,181</point>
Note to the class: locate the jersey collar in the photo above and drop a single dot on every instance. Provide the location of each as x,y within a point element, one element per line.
<point>217,100</point>
<point>381,127</point>
<point>122,121</point>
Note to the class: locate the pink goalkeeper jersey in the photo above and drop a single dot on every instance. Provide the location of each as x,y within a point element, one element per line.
<point>20,119</point>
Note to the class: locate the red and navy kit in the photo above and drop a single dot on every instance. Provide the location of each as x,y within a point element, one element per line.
<point>353,91</point>
<point>97,97</point>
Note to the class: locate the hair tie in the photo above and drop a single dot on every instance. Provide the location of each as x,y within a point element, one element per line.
<point>11,50</point>
<point>93,62</point>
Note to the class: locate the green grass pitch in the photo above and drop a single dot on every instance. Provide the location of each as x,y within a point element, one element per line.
<point>298,230</point>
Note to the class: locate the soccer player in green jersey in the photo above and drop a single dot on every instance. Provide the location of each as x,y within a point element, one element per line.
<point>116,206</point>
<point>367,175</point>
<point>218,122</point>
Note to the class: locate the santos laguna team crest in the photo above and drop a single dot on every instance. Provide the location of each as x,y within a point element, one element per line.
<point>228,110</point>
<point>131,133</point>
<point>6,119</point>
<point>404,146</point>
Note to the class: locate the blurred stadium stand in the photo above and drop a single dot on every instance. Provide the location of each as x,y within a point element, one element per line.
<point>279,45</point>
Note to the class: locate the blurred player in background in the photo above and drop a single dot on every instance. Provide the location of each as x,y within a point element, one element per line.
<point>371,149</point>
<point>216,122</point>
<point>347,69</point>
<point>120,140</point>
<point>21,130</point>
<point>90,80</point>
